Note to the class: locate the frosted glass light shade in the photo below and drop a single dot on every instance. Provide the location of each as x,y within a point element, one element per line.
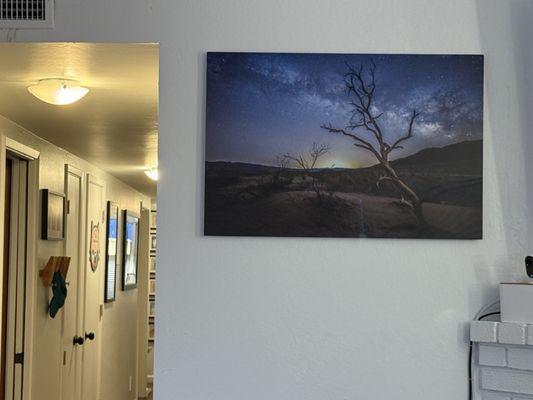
<point>152,173</point>
<point>58,92</point>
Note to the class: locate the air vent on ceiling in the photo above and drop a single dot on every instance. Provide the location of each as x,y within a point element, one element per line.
<point>26,14</point>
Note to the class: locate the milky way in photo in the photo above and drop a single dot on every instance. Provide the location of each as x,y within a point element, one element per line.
<point>260,105</point>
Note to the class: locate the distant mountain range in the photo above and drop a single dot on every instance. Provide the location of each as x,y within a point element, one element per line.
<point>464,158</point>
<point>224,167</point>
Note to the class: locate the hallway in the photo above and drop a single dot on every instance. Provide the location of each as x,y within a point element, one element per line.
<point>80,132</point>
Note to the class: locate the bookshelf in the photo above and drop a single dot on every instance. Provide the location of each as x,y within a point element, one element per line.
<point>152,292</point>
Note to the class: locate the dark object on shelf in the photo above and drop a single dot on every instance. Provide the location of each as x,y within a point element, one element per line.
<point>52,215</point>
<point>529,266</point>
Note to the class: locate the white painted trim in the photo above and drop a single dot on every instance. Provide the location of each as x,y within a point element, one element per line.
<point>93,180</point>
<point>12,285</point>
<point>32,156</point>
<point>2,208</point>
<point>23,270</point>
<point>76,172</point>
<point>70,169</point>
<point>143,277</point>
<point>21,150</point>
<point>32,268</point>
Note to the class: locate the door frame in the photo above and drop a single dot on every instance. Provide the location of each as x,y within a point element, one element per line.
<point>71,170</point>
<point>143,276</point>
<point>16,307</point>
<point>32,234</point>
<point>91,179</point>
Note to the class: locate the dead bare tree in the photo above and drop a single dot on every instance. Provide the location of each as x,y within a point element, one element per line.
<point>362,87</point>
<point>308,163</point>
<point>282,163</point>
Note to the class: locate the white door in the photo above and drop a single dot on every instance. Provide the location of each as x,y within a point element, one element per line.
<point>72,322</point>
<point>94,296</point>
<point>16,284</point>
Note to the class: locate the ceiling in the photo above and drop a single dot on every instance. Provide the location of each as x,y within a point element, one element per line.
<point>114,126</point>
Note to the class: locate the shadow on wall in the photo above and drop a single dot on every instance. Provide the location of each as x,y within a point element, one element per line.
<point>505,30</point>
<point>522,32</point>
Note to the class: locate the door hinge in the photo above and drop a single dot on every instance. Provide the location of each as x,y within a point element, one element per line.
<point>68,206</point>
<point>19,358</point>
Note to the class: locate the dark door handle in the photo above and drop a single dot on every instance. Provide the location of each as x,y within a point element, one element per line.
<point>89,335</point>
<point>78,340</point>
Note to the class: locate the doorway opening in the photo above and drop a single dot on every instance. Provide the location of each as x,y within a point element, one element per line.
<point>78,281</point>
<point>14,275</point>
<point>19,166</point>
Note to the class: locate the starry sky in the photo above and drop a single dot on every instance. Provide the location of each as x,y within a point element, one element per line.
<point>260,105</point>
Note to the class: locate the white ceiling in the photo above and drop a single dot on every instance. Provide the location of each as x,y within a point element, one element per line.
<point>114,126</point>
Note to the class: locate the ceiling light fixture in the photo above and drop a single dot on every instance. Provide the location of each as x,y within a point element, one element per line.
<point>152,173</point>
<point>58,91</point>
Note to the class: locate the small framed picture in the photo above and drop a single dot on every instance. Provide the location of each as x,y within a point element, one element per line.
<point>130,247</point>
<point>151,288</point>
<point>53,215</point>
<point>153,242</point>
<point>111,252</point>
<point>152,265</point>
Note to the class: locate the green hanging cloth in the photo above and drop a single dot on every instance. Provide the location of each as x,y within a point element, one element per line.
<point>59,290</point>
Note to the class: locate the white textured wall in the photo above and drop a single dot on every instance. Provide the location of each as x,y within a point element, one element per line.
<point>316,319</point>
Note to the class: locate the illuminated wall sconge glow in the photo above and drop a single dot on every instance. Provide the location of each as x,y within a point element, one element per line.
<point>58,91</point>
<point>152,173</point>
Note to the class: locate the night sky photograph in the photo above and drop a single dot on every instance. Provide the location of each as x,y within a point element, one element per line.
<point>344,145</point>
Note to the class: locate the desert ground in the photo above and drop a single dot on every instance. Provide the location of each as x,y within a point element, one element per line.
<point>254,200</point>
<point>347,215</point>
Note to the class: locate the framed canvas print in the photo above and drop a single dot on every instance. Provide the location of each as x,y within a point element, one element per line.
<point>344,145</point>
<point>111,252</point>
<point>52,215</point>
<point>130,248</point>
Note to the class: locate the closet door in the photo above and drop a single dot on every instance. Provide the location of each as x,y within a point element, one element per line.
<point>94,296</point>
<point>72,322</point>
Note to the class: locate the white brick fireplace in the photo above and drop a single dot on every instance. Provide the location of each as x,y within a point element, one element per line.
<point>503,360</point>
